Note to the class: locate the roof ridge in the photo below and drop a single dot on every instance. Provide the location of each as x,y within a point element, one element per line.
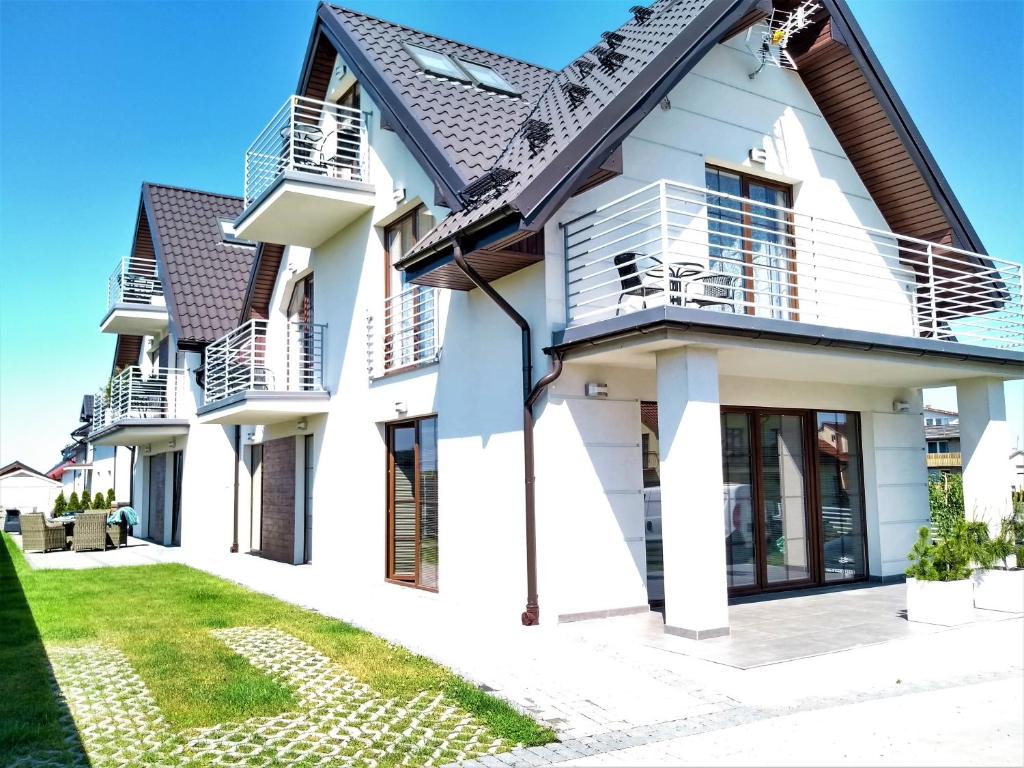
<point>439,37</point>
<point>153,184</point>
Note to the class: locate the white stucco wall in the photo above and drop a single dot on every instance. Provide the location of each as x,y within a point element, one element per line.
<point>25,491</point>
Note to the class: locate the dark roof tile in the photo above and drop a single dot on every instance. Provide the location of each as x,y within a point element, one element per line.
<point>206,276</point>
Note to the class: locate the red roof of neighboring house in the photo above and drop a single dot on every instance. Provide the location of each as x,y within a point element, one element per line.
<point>58,471</point>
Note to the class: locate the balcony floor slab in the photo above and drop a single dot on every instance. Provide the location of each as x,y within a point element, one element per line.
<point>263,407</point>
<point>139,431</point>
<point>135,319</point>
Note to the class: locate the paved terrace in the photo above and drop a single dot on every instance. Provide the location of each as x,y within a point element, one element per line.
<point>834,665</point>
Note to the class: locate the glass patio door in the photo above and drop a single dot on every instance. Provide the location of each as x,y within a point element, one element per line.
<point>783,498</point>
<point>766,500</point>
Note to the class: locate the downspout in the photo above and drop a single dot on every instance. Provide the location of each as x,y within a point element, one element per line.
<point>531,393</point>
<point>238,450</point>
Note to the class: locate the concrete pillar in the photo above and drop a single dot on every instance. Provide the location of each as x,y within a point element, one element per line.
<point>985,449</point>
<point>693,533</point>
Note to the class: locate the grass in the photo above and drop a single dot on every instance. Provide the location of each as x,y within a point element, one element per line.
<point>159,617</point>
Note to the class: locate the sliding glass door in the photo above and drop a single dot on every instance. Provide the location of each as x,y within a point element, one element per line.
<point>792,498</point>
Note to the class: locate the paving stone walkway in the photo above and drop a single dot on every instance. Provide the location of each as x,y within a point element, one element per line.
<point>339,720</point>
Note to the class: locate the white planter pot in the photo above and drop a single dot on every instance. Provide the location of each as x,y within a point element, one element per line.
<point>998,590</point>
<point>948,603</point>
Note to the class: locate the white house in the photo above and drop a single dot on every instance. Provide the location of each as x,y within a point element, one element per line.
<point>710,264</point>
<point>25,489</point>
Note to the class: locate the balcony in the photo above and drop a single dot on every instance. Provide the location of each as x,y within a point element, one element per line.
<point>135,299</point>
<point>404,334</point>
<point>943,460</point>
<point>306,174</point>
<point>139,407</point>
<point>738,260</point>
<point>264,374</point>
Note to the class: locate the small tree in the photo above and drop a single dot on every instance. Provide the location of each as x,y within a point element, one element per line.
<point>73,504</point>
<point>110,497</point>
<point>84,504</point>
<point>60,504</point>
<point>99,502</point>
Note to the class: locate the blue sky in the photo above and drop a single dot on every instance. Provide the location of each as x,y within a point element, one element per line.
<point>97,97</point>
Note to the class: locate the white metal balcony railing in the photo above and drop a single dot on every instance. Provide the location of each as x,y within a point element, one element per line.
<point>310,136</point>
<point>404,333</point>
<point>135,394</point>
<point>251,358</point>
<point>134,281</point>
<point>672,243</point>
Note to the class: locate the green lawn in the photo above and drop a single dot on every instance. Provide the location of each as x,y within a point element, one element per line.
<point>159,616</point>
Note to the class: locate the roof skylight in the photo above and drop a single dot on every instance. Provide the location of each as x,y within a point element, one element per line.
<point>436,63</point>
<point>487,78</point>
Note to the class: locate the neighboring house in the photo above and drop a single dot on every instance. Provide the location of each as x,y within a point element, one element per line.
<point>24,489</point>
<point>89,468</point>
<point>942,436</point>
<point>495,306</point>
<point>1017,468</point>
<point>180,287</point>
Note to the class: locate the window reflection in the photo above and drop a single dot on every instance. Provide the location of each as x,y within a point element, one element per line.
<point>839,484</point>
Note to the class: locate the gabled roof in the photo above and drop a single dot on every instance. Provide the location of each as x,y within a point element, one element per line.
<point>941,431</point>
<point>18,466</point>
<point>659,50</point>
<point>457,130</point>
<point>203,276</point>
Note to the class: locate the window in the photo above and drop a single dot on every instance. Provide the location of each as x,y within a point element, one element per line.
<point>485,77</point>
<point>412,552</point>
<point>938,446</point>
<point>409,309</point>
<point>436,63</point>
<point>751,253</point>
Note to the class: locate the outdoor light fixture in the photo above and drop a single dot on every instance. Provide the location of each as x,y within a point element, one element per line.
<point>901,406</point>
<point>400,407</point>
<point>666,105</point>
<point>146,450</point>
<point>250,436</point>
<point>596,389</point>
<point>301,425</point>
<point>758,155</point>
<point>171,444</point>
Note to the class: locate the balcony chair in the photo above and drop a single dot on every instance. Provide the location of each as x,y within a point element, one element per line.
<point>39,535</point>
<point>90,530</point>
<point>635,282</point>
<point>710,289</point>
<point>339,164</point>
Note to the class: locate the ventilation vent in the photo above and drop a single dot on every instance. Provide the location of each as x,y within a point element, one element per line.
<point>576,94</point>
<point>537,134</point>
<point>610,60</point>
<point>488,187</point>
<point>613,39</point>
<point>641,13</point>
<point>585,66</point>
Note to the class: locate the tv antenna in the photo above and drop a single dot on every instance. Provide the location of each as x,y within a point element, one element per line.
<point>768,39</point>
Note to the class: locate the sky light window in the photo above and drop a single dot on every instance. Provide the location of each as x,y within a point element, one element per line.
<point>436,63</point>
<point>487,78</point>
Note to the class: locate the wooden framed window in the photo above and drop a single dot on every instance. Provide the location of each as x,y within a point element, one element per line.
<point>408,309</point>
<point>751,244</point>
<point>412,551</point>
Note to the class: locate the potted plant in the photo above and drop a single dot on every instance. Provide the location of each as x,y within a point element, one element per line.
<point>939,585</point>
<point>1000,585</point>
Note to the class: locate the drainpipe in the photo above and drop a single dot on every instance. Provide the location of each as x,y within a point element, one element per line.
<point>238,450</point>
<point>531,616</point>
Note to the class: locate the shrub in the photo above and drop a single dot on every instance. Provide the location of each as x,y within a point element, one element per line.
<point>99,501</point>
<point>85,503</point>
<point>73,503</point>
<point>946,503</point>
<point>953,556</point>
<point>110,497</point>
<point>60,504</point>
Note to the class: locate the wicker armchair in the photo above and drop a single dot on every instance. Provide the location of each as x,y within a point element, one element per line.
<point>38,535</point>
<point>90,530</point>
<point>117,533</point>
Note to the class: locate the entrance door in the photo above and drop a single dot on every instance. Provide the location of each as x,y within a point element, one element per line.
<point>766,495</point>
<point>155,516</point>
